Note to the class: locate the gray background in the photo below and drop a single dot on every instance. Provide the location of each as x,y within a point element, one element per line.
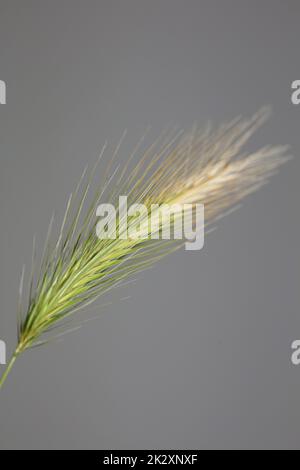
<point>199,357</point>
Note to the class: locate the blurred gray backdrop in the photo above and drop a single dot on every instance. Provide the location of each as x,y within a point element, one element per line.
<point>199,357</point>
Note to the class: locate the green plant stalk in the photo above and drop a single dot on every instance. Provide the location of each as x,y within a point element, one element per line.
<point>8,368</point>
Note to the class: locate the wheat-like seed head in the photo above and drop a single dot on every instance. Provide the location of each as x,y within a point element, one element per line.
<point>208,167</point>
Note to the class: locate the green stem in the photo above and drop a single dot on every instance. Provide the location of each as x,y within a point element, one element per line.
<point>8,368</point>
